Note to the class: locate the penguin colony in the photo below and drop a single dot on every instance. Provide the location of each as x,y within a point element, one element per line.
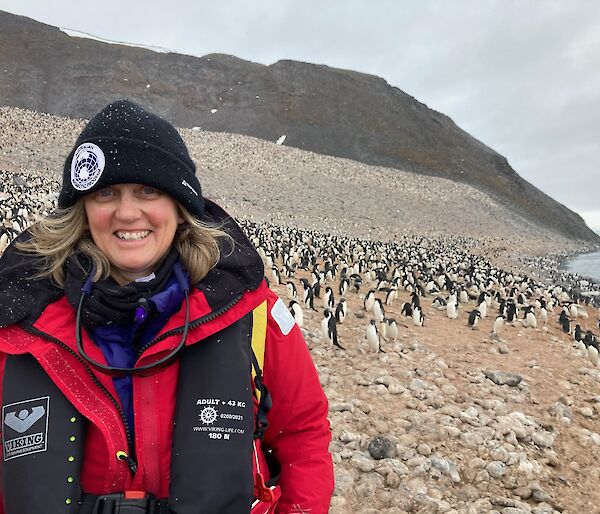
<point>390,285</point>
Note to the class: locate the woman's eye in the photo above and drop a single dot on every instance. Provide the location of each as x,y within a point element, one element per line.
<point>149,191</point>
<point>104,193</point>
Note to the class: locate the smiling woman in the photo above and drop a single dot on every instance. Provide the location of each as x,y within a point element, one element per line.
<point>134,226</point>
<point>124,314</point>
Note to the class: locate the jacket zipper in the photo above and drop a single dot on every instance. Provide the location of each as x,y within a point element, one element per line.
<point>131,462</point>
<point>192,325</point>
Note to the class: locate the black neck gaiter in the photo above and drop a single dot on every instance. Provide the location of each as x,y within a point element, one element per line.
<point>109,303</point>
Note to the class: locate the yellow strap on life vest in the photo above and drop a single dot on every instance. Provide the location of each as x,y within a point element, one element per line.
<point>259,335</point>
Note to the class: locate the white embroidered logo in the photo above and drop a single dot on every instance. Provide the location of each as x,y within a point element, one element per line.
<point>87,166</point>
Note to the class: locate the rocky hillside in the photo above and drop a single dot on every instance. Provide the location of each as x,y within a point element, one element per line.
<point>325,110</point>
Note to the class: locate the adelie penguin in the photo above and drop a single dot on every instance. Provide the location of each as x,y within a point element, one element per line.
<point>415,300</point>
<point>329,329</point>
<point>418,317</point>
<point>341,311</point>
<point>565,323</point>
<point>474,315</point>
<point>290,287</point>
<point>328,299</point>
<point>439,304</point>
<point>452,309</point>
<point>369,301</point>
<point>406,309</point>
<point>392,329</point>
<point>343,287</point>
<point>372,337</point>
<point>297,312</point>
<point>378,310</point>
<point>497,326</point>
<point>530,320</point>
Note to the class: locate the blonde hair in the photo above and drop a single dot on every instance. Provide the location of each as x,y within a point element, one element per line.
<point>61,234</point>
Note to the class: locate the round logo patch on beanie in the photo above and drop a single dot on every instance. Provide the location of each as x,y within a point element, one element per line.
<point>86,166</point>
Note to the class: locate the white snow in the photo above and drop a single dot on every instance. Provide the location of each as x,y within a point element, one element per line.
<point>76,33</point>
<point>213,111</point>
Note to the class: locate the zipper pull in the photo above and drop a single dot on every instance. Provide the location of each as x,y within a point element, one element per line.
<point>123,457</point>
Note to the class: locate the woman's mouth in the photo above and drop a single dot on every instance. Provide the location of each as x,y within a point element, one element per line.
<point>132,236</point>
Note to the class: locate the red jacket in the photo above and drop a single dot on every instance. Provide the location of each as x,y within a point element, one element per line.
<point>298,430</point>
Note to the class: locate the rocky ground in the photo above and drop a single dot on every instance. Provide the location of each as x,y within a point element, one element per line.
<point>429,425</point>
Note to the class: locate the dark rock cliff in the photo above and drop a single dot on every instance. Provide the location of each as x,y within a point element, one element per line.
<point>322,109</point>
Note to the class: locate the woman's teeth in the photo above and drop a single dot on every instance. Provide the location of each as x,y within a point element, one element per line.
<point>132,236</point>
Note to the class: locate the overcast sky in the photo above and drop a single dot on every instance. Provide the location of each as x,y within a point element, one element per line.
<point>522,76</point>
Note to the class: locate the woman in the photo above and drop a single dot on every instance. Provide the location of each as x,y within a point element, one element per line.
<point>146,367</point>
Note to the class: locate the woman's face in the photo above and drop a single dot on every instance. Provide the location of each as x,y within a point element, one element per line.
<point>134,226</point>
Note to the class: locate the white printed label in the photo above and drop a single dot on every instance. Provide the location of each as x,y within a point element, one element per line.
<point>283,317</point>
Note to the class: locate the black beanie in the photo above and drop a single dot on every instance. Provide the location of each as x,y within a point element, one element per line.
<point>124,143</point>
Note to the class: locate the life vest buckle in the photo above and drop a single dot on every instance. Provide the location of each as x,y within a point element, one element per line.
<point>128,502</point>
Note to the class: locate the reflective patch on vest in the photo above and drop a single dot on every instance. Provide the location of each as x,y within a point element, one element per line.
<point>283,317</point>
<point>25,427</point>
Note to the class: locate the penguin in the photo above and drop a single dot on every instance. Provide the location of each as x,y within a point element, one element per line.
<point>291,290</point>
<point>565,323</point>
<point>407,309</point>
<point>383,329</point>
<point>343,287</point>
<point>369,300</point>
<point>309,299</point>
<point>439,304</point>
<point>316,289</point>
<point>573,310</point>
<point>329,329</point>
<point>590,339</point>
<point>543,315</point>
<point>392,329</point>
<point>577,333</point>
<point>497,326</point>
<point>276,277</point>
<point>378,310</point>
<point>372,337</point>
<point>297,312</point>
<point>511,311</point>
<point>391,296</point>
<point>452,310</point>
<point>593,355</point>
<point>473,317</point>
<point>328,299</point>
<point>530,320</point>
<point>415,300</point>
<point>340,311</point>
<point>482,308</point>
<point>418,317</point>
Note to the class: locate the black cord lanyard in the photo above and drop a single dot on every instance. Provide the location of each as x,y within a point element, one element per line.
<point>142,370</point>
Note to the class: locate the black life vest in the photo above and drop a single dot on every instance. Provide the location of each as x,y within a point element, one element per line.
<point>211,463</point>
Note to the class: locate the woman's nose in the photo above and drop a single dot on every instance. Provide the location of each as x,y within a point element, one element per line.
<point>128,209</point>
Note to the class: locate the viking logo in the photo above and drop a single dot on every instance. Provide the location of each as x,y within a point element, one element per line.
<point>22,421</point>
<point>86,166</point>
<point>25,427</point>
